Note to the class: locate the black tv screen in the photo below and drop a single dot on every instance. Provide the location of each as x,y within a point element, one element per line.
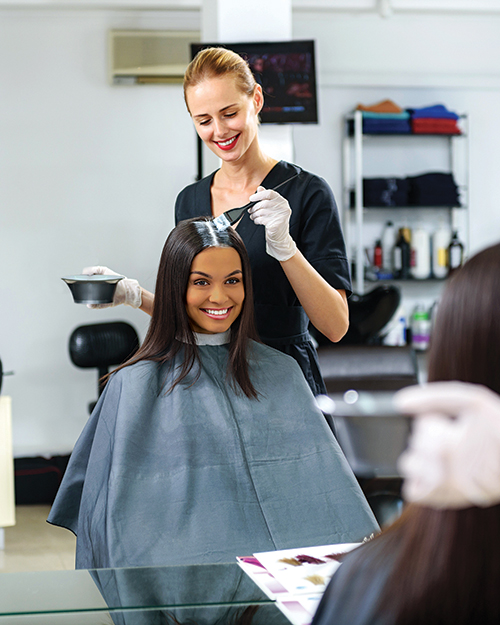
<point>286,71</point>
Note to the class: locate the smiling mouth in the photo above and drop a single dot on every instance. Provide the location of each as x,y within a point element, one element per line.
<point>217,312</point>
<point>227,145</point>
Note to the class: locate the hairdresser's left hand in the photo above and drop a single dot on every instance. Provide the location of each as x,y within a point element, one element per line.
<point>273,211</point>
<point>453,456</point>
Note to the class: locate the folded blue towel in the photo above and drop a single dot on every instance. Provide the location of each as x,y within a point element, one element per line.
<point>396,126</point>
<point>370,115</point>
<point>438,111</point>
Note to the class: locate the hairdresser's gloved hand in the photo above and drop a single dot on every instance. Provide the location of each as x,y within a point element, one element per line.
<point>273,212</point>
<point>453,457</point>
<point>127,291</point>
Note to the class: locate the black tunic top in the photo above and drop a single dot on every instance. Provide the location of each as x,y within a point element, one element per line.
<point>315,227</point>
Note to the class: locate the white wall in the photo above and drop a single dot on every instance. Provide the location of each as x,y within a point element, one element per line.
<point>89,172</point>
<point>88,175</point>
<point>416,60</point>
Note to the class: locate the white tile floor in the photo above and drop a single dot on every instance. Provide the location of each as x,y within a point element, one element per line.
<point>34,545</point>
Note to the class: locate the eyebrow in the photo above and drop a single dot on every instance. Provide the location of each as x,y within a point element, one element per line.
<point>221,111</point>
<point>207,275</point>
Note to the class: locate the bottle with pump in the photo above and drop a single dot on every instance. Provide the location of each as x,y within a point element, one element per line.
<point>388,243</point>
<point>455,253</point>
<point>421,254</point>
<point>402,255</point>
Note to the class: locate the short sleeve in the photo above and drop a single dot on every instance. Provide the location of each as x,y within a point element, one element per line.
<point>318,233</point>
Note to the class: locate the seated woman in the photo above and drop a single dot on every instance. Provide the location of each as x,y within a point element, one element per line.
<point>440,562</point>
<point>207,444</point>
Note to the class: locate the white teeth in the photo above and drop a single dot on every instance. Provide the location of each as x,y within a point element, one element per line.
<point>224,143</point>
<point>219,311</point>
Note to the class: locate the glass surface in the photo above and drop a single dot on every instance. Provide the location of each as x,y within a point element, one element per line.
<point>202,594</point>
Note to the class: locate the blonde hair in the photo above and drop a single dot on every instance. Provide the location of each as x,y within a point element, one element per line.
<point>215,63</point>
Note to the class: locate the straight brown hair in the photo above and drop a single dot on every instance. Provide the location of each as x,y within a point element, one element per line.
<point>445,564</point>
<point>447,568</point>
<point>448,564</point>
<point>465,343</point>
<point>170,329</point>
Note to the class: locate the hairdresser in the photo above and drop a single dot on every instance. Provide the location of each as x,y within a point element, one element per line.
<point>299,265</point>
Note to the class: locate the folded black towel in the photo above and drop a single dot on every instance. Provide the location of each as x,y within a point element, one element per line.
<point>433,189</point>
<point>385,191</point>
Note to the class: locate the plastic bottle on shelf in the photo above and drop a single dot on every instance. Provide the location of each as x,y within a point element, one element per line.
<point>440,242</point>
<point>455,253</point>
<point>388,243</point>
<point>402,255</point>
<point>420,328</point>
<point>377,254</point>
<point>394,333</point>
<point>421,254</point>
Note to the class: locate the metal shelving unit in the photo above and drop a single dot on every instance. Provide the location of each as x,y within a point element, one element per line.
<point>354,155</point>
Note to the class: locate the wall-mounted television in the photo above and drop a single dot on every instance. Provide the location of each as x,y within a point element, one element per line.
<point>287,73</point>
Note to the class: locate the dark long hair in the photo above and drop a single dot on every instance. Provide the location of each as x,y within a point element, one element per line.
<point>466,336</point>
<point>445,564</point>
<point>444,569</point>
<point>170,330</point>
<point>448,568</point>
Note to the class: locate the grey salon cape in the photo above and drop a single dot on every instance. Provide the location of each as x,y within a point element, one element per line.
<point>202,473</point>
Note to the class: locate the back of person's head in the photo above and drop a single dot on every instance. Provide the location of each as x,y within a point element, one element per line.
<point>218,63</point>
<point>448,563</point>
<point>444,561</point>
<point>466,336</point>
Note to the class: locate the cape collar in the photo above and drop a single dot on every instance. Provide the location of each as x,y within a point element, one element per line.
<point>212,339</point>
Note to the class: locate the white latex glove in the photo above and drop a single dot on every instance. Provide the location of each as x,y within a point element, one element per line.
<point>273,212</point>
<point>127,291</point>
<point>453,457</point>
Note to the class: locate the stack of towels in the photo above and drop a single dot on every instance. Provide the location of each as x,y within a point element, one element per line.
<point>429,189</point>
<point>435,119</point>
<point>385,117</point>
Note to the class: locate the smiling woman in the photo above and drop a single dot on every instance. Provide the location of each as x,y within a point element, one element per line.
<point>207,444</point>
<point>298,258</point>
<point>215,290</point>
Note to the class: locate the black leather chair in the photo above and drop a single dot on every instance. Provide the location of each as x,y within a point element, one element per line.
<point>359,363</point>
<point>368,314</point>
<point>101,346</point>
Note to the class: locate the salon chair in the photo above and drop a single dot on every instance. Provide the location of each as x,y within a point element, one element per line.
<point>101,346</point>
<point>372,444</point>
<point>368,315</point>
<point>358,362</point>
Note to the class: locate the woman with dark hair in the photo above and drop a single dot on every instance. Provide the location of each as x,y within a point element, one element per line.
<point>207,444</point>
<point>440,561</point>
<point>299,262</point>
<point>466,337</point>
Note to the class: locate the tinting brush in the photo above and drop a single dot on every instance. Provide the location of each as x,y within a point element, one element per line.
<point>230,217</point>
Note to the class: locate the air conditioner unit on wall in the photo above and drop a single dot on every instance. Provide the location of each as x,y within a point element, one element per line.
<point>149,56</point>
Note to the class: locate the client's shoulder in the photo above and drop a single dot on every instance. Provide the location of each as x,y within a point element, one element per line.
<point>260,353</point>
<point>137,375</point>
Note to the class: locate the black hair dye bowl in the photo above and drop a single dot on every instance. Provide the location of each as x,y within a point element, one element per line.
<point>95,289</point>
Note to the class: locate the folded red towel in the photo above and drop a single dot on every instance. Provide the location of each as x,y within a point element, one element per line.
<point>425,125</point>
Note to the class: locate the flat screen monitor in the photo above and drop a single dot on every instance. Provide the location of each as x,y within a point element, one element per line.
<point>286,71</point>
